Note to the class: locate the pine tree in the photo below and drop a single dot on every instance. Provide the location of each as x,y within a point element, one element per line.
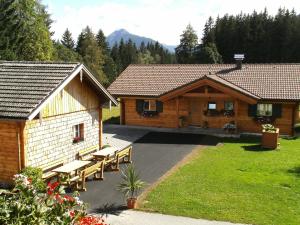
<point>62,53</point>
<point>67,39</point>
<point>109,68</point>
<point>24,31</point>
<point>185,51</point>
<point>91,53</point>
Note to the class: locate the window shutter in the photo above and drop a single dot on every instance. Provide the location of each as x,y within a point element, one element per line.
<point>252,110</point>
<point>159,106</point>
<point>277,111</point>
<point>139,105</point>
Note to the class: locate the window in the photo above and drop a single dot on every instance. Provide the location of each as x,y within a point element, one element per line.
<point>264,109</point>
<point>78,133</point>
<point>228,106</point>
<point>212,106</point>
<point>149,105</point>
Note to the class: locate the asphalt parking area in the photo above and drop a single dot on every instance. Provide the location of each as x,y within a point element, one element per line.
<point>153,155</point>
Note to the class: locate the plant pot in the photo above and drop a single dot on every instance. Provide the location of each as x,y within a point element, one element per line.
<point>131,203</point>
<point>270,140</point>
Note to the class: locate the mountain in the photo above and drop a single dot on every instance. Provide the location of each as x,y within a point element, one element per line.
<point>116,36</point>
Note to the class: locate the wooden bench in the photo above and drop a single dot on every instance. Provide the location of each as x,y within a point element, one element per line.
<point>96,170</point>
<point>125,155</point>
<point>85,154</point>
<point>47,169</point>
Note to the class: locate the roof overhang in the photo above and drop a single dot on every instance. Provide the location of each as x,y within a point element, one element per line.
<point>215,82</point>
<point>79,69</point>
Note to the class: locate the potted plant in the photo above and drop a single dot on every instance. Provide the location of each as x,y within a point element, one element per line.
<point>230,127</point>
<point>270,136</point>
<point>130,186</point>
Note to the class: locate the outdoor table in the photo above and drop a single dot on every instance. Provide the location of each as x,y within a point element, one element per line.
<point>73,166</point>
<point>105,153</point>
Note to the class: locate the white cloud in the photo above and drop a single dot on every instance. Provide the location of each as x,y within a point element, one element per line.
<point>162,20</point>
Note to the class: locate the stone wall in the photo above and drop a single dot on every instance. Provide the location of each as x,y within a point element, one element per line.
<point>52,139</point>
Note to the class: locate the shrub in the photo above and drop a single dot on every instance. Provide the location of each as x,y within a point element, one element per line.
<point>35,175</point>
<point>24,205</point>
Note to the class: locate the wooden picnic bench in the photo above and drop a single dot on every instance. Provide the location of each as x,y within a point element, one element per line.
<point>124,154</point>
<point>95,169</point>
<point>113,156</point>
<point>86,154</point>
<point>47,169</point>
<point>68,173</point>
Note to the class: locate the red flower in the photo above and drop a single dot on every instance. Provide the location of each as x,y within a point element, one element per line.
<point>52,187</point>
<point>58,198</point>
<point>72,214</point>
<point>29,180</point>
<point>91,220</point>
<point>69,198</point>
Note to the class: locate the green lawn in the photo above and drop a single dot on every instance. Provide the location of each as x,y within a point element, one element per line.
<point>112,116</point>
<point>236,182</point>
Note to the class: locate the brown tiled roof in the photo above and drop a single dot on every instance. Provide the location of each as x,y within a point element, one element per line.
<point>265,81</point>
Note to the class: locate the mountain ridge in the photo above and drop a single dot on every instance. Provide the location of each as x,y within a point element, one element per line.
<point>117,35</point>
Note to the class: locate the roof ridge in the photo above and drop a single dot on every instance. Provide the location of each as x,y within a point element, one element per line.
<point>37,62</point>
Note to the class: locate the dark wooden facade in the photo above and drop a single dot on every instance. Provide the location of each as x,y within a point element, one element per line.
<point>191,104</point>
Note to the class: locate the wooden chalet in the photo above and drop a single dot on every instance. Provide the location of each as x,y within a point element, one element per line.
<point>210,96</point>
<point>48,113</point>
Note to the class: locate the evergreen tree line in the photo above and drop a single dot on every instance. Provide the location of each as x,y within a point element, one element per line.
<point>25,36</point>
<point>261,37</point>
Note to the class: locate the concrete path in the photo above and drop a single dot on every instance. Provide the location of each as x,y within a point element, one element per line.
<point>141,218</point>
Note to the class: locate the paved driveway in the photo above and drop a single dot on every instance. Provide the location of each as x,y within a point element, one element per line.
<point>153,155</point>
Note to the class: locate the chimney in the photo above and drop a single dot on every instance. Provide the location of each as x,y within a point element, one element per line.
<point>238,60</point>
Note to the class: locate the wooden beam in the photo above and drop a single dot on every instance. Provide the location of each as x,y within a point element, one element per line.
<point>100,128</point>
<point>206,95</point>
<point>236,111</point>
<point>211,83</point>
<point>177,111</point>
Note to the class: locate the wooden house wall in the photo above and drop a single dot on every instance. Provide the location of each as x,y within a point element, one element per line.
<point>168,118</point>
<point>76,96</point>
<point>10,138</point>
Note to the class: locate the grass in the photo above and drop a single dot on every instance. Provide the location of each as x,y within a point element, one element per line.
<point>112,116</point>
<point>237,182</point>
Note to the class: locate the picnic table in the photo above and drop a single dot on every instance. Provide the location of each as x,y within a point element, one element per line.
<point>70,168</point>
<point>108,154</point>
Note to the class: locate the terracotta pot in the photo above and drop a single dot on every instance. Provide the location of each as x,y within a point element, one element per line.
<point>270,140</point>
<point>131,203</point>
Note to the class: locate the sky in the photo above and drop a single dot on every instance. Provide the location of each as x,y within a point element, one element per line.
<point>162,20</point>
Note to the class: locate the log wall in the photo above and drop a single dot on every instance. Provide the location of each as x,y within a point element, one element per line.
<point>10,135</point>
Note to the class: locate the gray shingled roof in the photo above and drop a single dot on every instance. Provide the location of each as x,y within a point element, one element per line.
<point>24,85</point>
<point>265,81</point>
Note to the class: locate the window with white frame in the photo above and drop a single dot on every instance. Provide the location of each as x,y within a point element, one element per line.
<point>212,106</point>
<point>150,105</point>
<point>264,109</point>
<point>78,133</point>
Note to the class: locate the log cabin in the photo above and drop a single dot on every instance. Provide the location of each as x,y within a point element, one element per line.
<point>48,112</point>
<point>210,96</point>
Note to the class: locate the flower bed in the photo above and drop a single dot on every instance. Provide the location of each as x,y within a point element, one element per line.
<point>24,204</point>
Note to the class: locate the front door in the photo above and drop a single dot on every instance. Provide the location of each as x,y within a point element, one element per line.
<point>196,111</point>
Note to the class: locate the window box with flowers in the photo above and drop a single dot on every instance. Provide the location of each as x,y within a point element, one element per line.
<point>78,133</point>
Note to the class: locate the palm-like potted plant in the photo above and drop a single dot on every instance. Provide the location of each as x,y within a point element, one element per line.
<point>270,136</point>
<point>130,185</point>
